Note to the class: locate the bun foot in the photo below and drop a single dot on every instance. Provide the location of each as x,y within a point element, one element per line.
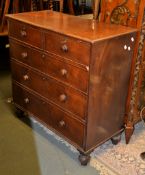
<point>19,113</point>
<point>116,139</point>
<point>84,159</point>
<point>142,155</point>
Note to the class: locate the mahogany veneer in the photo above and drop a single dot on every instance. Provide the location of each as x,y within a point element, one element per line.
<point>72,74</point>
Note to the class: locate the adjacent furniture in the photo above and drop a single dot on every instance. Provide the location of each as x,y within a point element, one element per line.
<point>4,7</point>
<point>72,79</point>
<point>130,13</point>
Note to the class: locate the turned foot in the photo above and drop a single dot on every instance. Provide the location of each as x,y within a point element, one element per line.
<point>129,128</point>
<point>84,159</point>
<point>116,139</point>
<point>142,155</point>
<point>19,113</point>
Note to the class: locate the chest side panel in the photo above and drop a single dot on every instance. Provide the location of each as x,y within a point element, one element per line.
<point>109,80</point>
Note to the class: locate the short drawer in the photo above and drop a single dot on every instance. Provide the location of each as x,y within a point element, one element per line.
<point>59,69</point>
<point>73,49</point>
<point>49,114</point>
<point>64,96</point>
<point>25,33</point>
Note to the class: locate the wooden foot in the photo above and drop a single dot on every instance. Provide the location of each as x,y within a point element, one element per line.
<point>20,113</point>
<point>142,155</point>
<point>84,159</point>
<point>128,131</point>
<point>116,139</point>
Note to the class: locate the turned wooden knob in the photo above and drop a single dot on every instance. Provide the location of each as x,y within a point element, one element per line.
<point>62,123</point>
<point>26,100</point>
<point>24,55</point>
<point>62,97</point>
<point>43,55</point>
<point>23,33</point>
<point>63,72</point>
<point>43,78</point>
<point>25,77</point>
<point>64,48</point>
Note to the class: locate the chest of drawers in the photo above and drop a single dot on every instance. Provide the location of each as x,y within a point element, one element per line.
<point>72,74</point>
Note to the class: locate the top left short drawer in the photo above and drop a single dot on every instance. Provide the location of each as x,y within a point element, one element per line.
<point>25,33</point>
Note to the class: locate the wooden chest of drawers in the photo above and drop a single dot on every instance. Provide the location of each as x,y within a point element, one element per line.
<point>72,74</point>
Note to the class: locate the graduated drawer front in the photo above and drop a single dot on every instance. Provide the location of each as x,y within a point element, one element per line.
<point>25,33</point>
<point>59,69</point>
<point>49,114</point>
<point>66,97</point>
<point>73,49</point>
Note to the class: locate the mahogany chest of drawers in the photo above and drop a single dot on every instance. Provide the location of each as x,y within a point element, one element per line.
<point>72,74</point>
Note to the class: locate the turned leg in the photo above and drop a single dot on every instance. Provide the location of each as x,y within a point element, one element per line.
<point>19,113</point>
<point>142,155</point>
<point>128,131</point>
<point>84,159</point>
<point>116,139</point>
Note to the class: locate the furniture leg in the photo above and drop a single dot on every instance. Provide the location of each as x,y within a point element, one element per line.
<point>84,158</point>
<point>6,8</point>
<point>19,113</point>
<point>116,139</point>
<point>70,6</point>
<point>95,8</point>
<point>129,128</point>
<point>61,5</point>
<point>142,155</point>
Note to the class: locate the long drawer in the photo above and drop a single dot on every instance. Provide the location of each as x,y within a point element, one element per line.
<point>49,114</point>
<point>66,97</point>
<point>59,69</point>
<point>25,33</point>
<point>73,49</point>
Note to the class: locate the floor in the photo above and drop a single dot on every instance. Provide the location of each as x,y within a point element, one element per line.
<point>26,149</point>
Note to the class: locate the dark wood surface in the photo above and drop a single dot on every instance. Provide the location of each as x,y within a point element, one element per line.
<point>57,67</point>
<point>109,81</point>
<point>88,105</point>
<point>84,29</point>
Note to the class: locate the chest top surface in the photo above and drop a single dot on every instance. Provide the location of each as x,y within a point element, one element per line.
<point>84,29</point>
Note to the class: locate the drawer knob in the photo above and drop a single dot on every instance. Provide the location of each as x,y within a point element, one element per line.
<point>23,33</point>
<point>64,48</point>
<point>24,55</point>
<point>25,77</point>
<point>43,55</point>
<point>43,78</point>
<point>26,100</point>
<point>63,72</point>
<point>62,123</point>
<point>62,97</point>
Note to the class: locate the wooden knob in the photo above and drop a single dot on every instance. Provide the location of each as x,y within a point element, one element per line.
<point>26,100</point>
<point>63,72</point>
<point>43,78</point>
<point>62,123</point>
<point>23,33</point>
<point>25,77</point>
<point>24,55</point>
<point>43,55</point>
<point>62,97</point>
<point>64,48</point>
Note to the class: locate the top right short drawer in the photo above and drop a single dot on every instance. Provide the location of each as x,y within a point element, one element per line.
<point>74,49</point>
